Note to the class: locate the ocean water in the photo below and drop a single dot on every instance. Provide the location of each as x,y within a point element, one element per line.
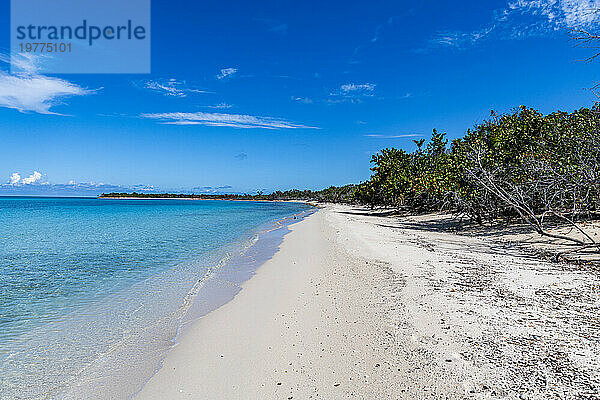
<point>94,291</point>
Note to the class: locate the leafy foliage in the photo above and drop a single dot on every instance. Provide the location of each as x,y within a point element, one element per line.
<point>421,181</point>
<point>520,164</point>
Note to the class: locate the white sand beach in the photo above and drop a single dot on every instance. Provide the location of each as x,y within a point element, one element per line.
<point>356,305</point>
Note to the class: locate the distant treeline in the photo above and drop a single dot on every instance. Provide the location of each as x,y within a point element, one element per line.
<point>329,195</point>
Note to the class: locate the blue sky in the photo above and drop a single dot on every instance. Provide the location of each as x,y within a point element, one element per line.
<point>246,96</point>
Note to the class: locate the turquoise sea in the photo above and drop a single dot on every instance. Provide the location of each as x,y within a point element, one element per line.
<point>94,291</point>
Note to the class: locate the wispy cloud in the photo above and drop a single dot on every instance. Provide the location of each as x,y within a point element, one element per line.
<point>560,13</point>
<point>220,106</point>
<point>407,135</point>
<point>460,39</point>
<point>226,73</point>
<point>227,120</point>
<point>352,92</point>
<point>525,18</point>
<point>380,28</point>
<point>170,87</point>
<point>28,91</point>
<point>365,89</point>
<point>305,100</point>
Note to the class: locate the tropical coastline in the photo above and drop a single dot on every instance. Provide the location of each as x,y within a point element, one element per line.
<point>300,200</point>
<point>222,284</point>
<point>182,261</point>
<point>359,305</point>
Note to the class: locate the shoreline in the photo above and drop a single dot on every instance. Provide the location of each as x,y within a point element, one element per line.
<point>286,335</point>
<point>221,283</point>
<point>355,305</point>
<point>211,296</point>
<point>188,338</point>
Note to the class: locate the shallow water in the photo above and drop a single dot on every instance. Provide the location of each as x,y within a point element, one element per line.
<point>88,283</point>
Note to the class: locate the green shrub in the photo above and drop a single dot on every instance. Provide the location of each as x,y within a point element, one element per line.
<point>513,164</point>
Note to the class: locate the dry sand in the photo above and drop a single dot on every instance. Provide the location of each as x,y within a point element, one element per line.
<point>361,306</point>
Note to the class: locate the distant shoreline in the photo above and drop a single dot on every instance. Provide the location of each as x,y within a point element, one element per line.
<point>209,199</point>
<point>187,198</point>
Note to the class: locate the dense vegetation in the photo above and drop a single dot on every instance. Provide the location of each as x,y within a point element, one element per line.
<point>522,164</point>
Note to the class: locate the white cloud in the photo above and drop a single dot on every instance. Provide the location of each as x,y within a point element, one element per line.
<point>26,63</point>
<point>460,39</point>
<point>171,87</point>
<point>305,100</point>
<point>353,88</point>
<point>226,72</point>
<point>168,88</point>
<point>33,178</point>
<point>580,13</point>
<point>352,93</point>
<point>35,184</point>
<point>14,178</point>
<point>27,90</point>
<point>228,120</point>
<point>408,135</point>
<point>560,13</point>
<point>220,106</point>
<point>527,18</point>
